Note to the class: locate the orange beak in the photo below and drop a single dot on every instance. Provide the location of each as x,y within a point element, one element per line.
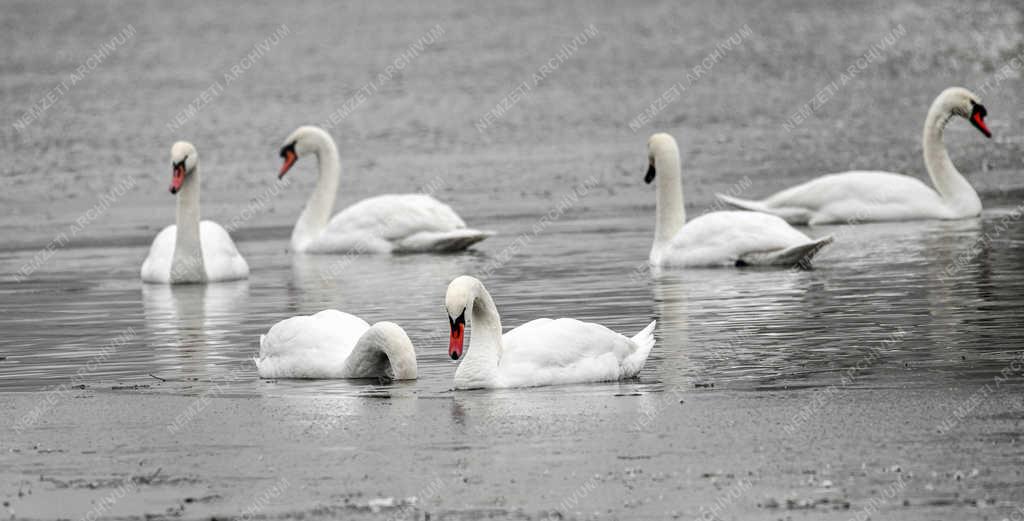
<point>978,119</point>
<point>456,340</point>
<point>289,159</point>
<point>178,177</point>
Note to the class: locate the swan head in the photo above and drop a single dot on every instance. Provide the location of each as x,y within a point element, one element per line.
<point>184,160</point>
<point>659,147</point>
<point>306,139</point>
<point>959,101</point>
<point>458,301</point>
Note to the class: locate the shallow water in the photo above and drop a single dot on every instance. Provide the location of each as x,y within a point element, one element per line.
<point>783,378</point>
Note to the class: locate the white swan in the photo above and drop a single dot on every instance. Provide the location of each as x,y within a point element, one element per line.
<point>191,251</point>
<point>539,352</point>
<point>332,344</point>
<point>716,238</point>
<point>381,224</point>
<point>854,197</point>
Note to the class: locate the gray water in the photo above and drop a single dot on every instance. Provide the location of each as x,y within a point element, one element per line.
<point>900,350</point>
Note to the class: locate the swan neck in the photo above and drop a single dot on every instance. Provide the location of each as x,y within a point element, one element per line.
<point>187,264</point>
<point>384,338</point>
<point>480,364</point>
<point>317,212</point>
<point>670,211</point>
<point>403,366</point>
<point>948,181</point>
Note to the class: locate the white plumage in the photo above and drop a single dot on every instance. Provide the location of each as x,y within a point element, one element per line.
<point>539,352</point>
<point>566,350</point>
<point>731,238</point>
<point>333,344</point>
<point>402,223</point>
<point>395,223</point>
<point>204,252</point>
<point>716,238</point>
<point>858,196</point>
<point>220,256</point>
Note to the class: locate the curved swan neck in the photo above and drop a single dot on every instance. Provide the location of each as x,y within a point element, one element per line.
<point>389,340</point>
<point>947,180</point>
<point>481,361</point>
<point>187,263</point>
<point>671,214</point>
<point>403,366</point>
<point>317,212</point>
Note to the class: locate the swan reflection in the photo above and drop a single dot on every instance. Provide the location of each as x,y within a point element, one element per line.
<point>192,326</point>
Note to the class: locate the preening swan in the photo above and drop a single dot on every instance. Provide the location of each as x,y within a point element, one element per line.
<point>332,344</point>
<point>191,251</point>
<point>715,238</point>
<point>539,352</point>
<point>854,197</point>
<point>385,223</point>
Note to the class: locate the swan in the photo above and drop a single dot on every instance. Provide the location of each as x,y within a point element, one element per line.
<point>203,251</point>
<point>853,197</point>
<point>731,238</point>
<point>386,223</point>
<point>539,352</point>
<point>333,344</point>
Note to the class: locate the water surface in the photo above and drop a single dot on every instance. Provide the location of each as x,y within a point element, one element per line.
<point>897,357</point>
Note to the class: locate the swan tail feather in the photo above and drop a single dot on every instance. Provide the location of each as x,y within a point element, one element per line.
<point>796,256</point>
<point>441,242</point>
<point>791,215</point>
<point>744,204</point>
<point>644,341</point>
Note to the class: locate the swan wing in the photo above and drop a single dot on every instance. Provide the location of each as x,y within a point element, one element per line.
<point>394,217</point>
<point>859,197</point>
<point>396,223</point>
<point>220,256</point>
<point>157,266</point>
<point>548,352</point>
<point>310,346</point>
<point>724,238</point>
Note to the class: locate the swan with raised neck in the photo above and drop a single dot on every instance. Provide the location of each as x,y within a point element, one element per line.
<point>384,223</point>
<point>715,238</point>
<point>317,212</point>
<point>670,210</point>
<point>187,264</point>
<point>191,251</point>
<point>539,352</point>
<point>951,185</point>
<point>871,196</point>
